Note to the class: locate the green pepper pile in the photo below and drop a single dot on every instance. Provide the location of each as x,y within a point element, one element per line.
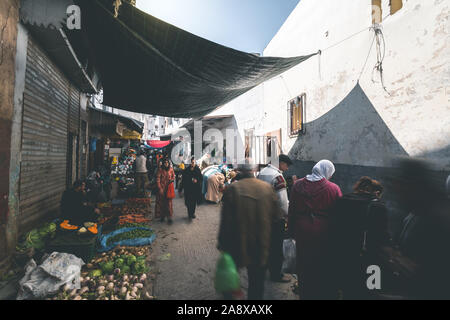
<point>132,225</point>
<point>133,234</point>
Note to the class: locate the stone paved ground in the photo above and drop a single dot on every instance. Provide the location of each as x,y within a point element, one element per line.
<point>188,273</point>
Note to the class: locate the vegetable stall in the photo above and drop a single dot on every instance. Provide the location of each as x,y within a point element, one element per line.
<point>120,269</point>
<point>116,250</point>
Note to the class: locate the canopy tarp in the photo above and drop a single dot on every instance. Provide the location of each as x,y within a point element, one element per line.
<point>156,144</point>
<point>127,135</point>
<point>152,67</point>
<point>105,122</point>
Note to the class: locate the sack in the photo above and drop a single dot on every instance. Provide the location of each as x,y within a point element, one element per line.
<point>289,254</point>
<point>170,191</point>
<point>227,277</point>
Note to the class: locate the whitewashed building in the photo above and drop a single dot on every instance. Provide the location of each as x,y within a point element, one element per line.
<point>340,110</point>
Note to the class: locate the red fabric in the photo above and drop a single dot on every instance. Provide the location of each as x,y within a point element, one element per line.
<point>308,223</point>
<point>170,191</point>
<point>158,144</point>
<point>163,177</point>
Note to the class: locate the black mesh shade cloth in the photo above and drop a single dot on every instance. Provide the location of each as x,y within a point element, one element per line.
<point>149,66</point>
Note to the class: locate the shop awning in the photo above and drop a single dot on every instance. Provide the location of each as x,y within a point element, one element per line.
<point>113,125</point>
<point>211,122</point>
<point>156,144</point>
<point>152,67</point>
<point>127,135</point>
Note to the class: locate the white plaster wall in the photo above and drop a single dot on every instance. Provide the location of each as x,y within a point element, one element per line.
<point>248,111</point>
<point>413,120</point>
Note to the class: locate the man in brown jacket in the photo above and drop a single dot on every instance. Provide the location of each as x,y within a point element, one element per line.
<point>250,207</point>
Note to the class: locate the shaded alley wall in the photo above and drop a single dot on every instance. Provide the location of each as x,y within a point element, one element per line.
<point>357,124</point>
<point>413,119</point>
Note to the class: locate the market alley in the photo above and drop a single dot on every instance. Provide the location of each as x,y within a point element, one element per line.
<point>185,255</point>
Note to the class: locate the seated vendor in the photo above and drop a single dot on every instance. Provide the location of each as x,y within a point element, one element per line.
<point>74,206</point>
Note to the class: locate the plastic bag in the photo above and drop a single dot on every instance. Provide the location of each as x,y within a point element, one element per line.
<point>57,270</point>
<point>137,242</point>
<point>289,253</point>
<point>227,277</point>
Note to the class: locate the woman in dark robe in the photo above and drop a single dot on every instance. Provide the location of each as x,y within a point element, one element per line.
<point>192,184</point>
<point>310,202</point>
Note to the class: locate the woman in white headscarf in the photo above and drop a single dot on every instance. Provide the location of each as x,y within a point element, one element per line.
<point>322,170</point>
<point>310,202</point>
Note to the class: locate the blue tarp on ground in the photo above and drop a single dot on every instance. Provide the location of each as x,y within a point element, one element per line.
<point>103,247</point>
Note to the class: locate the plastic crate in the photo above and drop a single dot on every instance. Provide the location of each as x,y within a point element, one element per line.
<point>83,247</point>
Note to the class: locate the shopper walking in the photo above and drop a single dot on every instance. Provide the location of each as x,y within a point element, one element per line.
<point>164,178</point>
<point>311,200</point>
<point>274,176</point>
<point>249,210</point>
<point>192,184</point>
<point>155,191</point>
<point>141,178</point>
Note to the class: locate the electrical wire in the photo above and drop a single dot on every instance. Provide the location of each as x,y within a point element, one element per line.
<point>381,53</point>
<point>320,65</point>
<point>367,59</point>
<point>344,40</point>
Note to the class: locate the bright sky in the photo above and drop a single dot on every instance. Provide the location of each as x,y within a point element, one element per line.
<point>246,25</point>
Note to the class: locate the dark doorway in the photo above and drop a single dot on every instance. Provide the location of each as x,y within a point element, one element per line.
<point>72,159</point>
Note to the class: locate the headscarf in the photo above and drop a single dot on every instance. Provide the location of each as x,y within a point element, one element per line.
<point>324,169</point>
<point>164,164</point>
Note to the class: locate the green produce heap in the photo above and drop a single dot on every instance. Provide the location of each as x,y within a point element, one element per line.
<point>132,225</point>
<point>36,238</point>
<point>133,234</point>
<point>123,264</point>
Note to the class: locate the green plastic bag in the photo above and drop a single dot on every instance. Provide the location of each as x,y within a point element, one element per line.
<point>227,276</point>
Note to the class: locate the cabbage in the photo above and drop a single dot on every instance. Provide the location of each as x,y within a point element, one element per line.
<point>107,267</point>
<point>119,263</point>
<point>130,260</point>
<point>125,269</point>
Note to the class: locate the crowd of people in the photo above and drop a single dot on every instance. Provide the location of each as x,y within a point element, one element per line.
<point>337,235</point>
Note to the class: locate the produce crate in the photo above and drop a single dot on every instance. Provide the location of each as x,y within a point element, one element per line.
<point>83,247</point>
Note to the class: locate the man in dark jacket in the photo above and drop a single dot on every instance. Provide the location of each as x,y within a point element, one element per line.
<point>359,226</point>
<point>425,234</point>
<point>74,205</point>
<point>250,207</point>
<point>192,183</point>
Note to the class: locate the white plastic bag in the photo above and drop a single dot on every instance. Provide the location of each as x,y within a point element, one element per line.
<point>57,270</point>
<point>289,254</point>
